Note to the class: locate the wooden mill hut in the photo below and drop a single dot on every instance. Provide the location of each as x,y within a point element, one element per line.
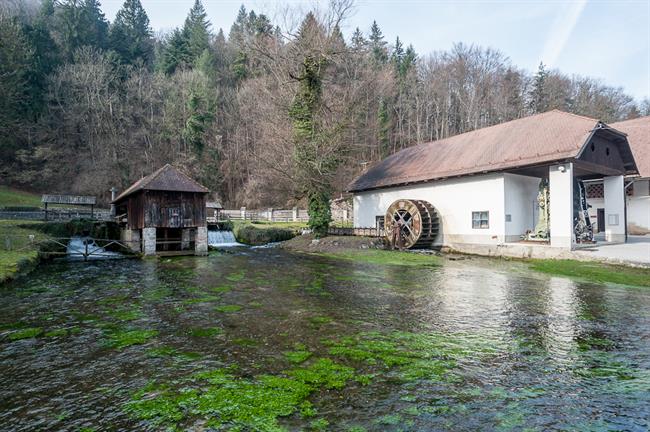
<point>164,213</point>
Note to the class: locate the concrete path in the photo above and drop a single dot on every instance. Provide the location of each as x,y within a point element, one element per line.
<point>635,251</point>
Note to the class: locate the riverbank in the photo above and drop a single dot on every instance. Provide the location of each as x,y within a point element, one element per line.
<point>367,249</point>
<point>17,255</point>
<point>258,233</point>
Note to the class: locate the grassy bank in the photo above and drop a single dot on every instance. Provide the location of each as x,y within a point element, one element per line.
<point>16,254</point>
<point>594,271</point>
<point>10,197</point>
<point>259,233</point>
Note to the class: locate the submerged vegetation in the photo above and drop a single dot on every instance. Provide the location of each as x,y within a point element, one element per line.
<point>387,257</point>
<point>594,271</point>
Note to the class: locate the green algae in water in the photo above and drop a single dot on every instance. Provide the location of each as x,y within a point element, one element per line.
<point>320,424</point>
<point>228,308</point>
<point>206,332</point>
<point>237,276</point>
<point>226,400</point>
<point>246,342</point>
<point>127,314</point>
<point>222,289</point>
<point>166,351</point>
<point>426,356</point>
<point>299,355</point>
<point>120,338</point>
<point>204,299</point>
<point>317,321</point>
<point>26,333</point>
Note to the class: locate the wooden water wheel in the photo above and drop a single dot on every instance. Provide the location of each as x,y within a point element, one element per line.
<point>418,222</point>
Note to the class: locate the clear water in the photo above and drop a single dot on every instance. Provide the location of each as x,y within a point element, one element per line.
<point>522,351</point>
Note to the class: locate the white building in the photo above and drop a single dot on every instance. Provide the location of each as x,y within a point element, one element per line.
<point>484,184</point>
<point>637,188</point>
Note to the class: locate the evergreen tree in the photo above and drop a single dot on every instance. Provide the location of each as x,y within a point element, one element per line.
<point>378,44</point>
<point>359,42</point>
<point>199,118</point>
<point>397,56</point>
<point>175,54</point>
<point>539,100</point>
<point>197,29</point>
<point>80,23</point>
<point>130,34</point>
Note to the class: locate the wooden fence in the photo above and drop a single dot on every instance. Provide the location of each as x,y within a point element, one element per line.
<point>57,214</point>
<point>349,231</point>
<point>279,215</point>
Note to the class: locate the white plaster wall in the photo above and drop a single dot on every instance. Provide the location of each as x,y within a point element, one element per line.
<point>638,214</point>
<point>521,204</point>
<point>454,199</point>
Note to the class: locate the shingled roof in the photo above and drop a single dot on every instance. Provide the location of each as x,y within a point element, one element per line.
<point>542,138</point>
<point>638,135</point>
<point>166,178</point>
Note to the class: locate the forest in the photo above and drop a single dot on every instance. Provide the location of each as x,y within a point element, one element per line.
<point>271,112</point>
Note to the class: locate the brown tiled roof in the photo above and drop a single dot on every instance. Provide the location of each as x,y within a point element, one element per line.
<point>541,138</point>
<point>166,178</point>
<point>638,135</point>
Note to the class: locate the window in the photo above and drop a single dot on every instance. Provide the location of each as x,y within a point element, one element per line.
<point>379,223</point>
<point>508,218</point>
<point>480,220</point>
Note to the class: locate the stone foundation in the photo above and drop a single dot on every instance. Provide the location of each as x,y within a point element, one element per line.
<point>132,239</point>
<point>201,241</point>
<point>149,241</point>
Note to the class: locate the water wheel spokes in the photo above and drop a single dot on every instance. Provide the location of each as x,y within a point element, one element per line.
<point>417,221</point>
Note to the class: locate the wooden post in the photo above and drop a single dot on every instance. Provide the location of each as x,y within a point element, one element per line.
<point>46,211</point>
<point>92,211</point>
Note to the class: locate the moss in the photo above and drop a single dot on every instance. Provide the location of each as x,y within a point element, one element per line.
<point>259,234</point>
<point>25,333</point>
<point>206,332</point>
<point>228,308</point>
<point>594,272</point>
<point>231,402</point>
<point>122,338</point>
<point>56,333</point>
<point>385,257</point>
<point>237,276</point>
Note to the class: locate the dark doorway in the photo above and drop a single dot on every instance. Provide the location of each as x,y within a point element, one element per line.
<point>168,239</point>
<point>601,219</point>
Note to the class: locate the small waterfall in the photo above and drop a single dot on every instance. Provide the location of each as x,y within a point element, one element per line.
<point>222,239</point>
<point>77,248</point>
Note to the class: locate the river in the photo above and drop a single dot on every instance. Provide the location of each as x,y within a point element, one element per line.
<point>271,340</point>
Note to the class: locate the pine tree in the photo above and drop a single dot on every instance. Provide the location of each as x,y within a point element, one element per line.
<point>197,28</point>
<point>397,55</point>
<point>539,100</point>
<point>130,34</point>
<point>80,23</point>
<point>383,131</point>
<point>378,44</point>
<point>359,42</point>
<point>175,54</point>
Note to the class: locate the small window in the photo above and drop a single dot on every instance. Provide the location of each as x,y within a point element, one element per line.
<point>593,147</point>
<point>379,222</point>
<point>607,151</point>
<point>480,220</point>
<point>508,218</point>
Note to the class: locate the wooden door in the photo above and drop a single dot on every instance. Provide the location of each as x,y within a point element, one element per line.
<point>601,219</point>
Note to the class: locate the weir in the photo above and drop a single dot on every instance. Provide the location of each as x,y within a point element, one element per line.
<point>85,248</point>
<point>222,238</point>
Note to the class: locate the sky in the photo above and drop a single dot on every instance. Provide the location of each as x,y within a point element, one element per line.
<point>608,40</point>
